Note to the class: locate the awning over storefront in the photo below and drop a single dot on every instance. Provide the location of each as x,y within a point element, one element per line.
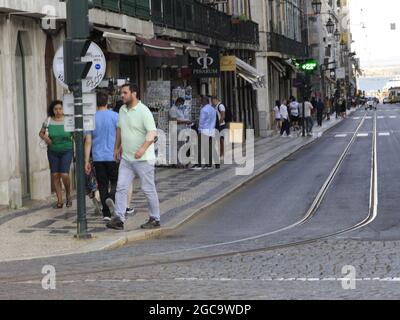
<point>291,65</point>
<point>195,50</point>
<point>118,41</point>
<point>278,66</point>
<point>156,48</point>
<point>250,74</point>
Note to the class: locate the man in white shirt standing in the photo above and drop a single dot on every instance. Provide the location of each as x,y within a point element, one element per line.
<point>309,123</point>
<point>208,119</point>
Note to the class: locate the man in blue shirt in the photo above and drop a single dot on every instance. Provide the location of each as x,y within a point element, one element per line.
<point>207,124</point>
<point>102,141</point>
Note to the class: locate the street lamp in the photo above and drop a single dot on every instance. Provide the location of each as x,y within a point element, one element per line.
<point>337,35</point>
<point>330,26</point>
<point>317,6</point>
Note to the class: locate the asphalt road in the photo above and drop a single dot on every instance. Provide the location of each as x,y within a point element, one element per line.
<point>169,267</point>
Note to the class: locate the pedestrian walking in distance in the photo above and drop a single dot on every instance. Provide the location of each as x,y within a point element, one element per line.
<point>294,113</point>
<point>285,119</point>
<point>60,151</point>
<point>309,123</point>
<point>136,134</point>
<point>278,117</point>
<point>320,112</point>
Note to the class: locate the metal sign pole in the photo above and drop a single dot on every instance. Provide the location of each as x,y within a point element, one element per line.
<point>76,47</point>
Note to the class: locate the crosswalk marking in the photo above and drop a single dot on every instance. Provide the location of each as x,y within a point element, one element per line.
<point>393,117</point>
<point>356,118</point>
<point>368,117</point>
<point>384,134</point>
<point>362,135</point>
<point>381,117</point>
<point>341,136</point>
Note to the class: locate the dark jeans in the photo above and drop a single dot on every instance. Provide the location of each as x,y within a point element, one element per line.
<point>210,156</point>
<point>309,124</point>
<point>285,127</point>
<point>319,118</point>
<point>107,180</point>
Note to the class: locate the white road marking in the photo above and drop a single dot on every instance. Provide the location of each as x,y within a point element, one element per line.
<point>362,135</point>
<point>193,279</point>
<point>341,136</point>
<point>356,118</point>
<point>393,117</point>
<point>368,117</point>
<point>381,117</point>
<point>384,134</point>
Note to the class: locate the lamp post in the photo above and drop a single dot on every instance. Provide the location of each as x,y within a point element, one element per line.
<point>337,35</point>
<point>330,26</point>
<point>317,6</point>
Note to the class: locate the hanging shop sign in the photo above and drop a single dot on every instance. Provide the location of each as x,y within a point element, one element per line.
<point>207,65</point>
<point>228,64</point>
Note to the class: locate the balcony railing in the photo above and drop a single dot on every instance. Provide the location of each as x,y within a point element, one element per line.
<point>279,43</point>
<point>192,16</point>
<point>132,8</point>
<point>186,15</point>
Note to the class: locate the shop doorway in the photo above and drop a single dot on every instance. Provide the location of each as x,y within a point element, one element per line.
<point>20,76</point>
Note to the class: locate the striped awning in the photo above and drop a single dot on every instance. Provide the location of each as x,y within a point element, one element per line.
<point>156,48</point>
<point>250,74</point>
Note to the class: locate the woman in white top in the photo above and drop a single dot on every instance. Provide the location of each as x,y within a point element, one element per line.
<point>278,117</point>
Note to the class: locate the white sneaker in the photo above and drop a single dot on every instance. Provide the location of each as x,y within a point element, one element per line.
<point>130,211</point>
<point>106,219</point>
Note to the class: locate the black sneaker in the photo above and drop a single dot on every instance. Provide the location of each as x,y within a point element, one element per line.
<point>151,224</point>
<point>116,224</point>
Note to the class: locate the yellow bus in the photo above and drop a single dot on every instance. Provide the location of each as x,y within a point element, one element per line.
<point>394,95</point>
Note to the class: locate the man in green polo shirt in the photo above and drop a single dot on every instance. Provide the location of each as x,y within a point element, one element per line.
<point>136,134</point>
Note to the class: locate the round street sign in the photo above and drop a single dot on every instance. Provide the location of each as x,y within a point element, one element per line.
<point>96,73</point>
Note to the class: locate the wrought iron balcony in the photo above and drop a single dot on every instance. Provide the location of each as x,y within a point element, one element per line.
<point>132,8</point>
<point>186,15</point>
<point>193,16</point>
<point>281,44</point>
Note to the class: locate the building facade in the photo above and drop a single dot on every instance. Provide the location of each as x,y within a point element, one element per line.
<point>283,38</point>
<point>143,40</point>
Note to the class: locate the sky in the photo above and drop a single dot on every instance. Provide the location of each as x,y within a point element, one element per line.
<point>377,44</point>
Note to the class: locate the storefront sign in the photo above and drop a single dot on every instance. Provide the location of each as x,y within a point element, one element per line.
<point>207,65</point>
<point>228,63</point>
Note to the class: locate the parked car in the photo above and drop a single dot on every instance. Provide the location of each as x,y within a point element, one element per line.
<point>386,100</point>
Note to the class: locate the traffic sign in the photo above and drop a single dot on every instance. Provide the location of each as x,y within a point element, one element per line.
<point>89,123</point>
<point>96,73</point>
<point>89,104</point>
<point>89,110</point>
